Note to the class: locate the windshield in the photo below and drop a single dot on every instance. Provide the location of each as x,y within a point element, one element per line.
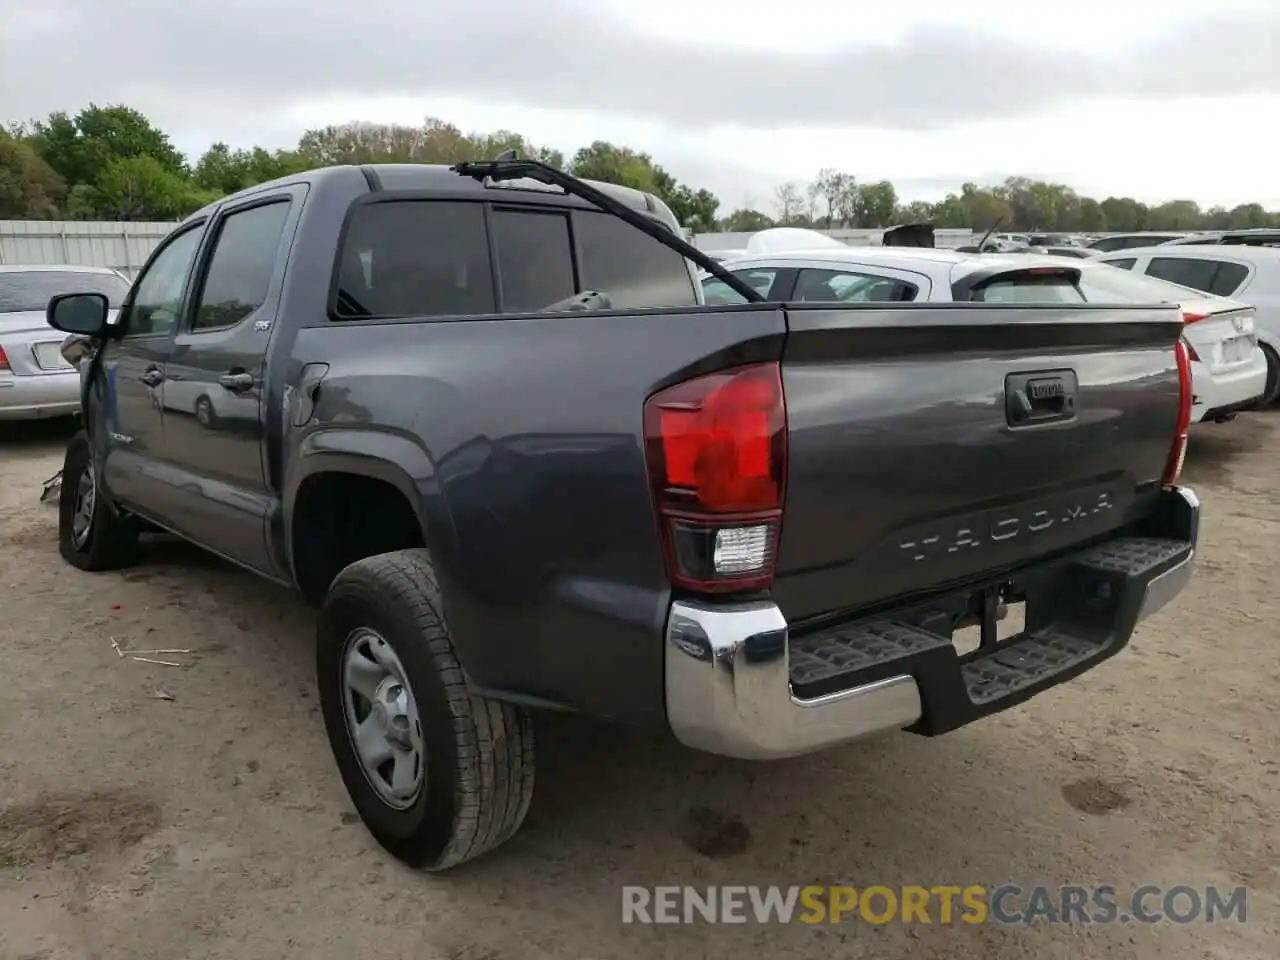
<point>1102,283</point>
<point>23,291</point>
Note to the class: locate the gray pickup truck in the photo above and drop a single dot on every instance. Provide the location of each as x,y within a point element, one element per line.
<point>480,417</point>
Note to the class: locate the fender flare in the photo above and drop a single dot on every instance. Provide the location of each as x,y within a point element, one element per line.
<point>393,458</point>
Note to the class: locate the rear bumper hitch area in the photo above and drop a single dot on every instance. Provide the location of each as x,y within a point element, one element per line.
<point>741,683</point>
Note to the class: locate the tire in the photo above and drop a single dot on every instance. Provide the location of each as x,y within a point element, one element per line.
<point>1273,377</point>
<point>205,414</point>
<point>95,537</point>
<point>479,753</point>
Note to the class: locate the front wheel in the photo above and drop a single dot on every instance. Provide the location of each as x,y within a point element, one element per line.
<point>91,536</point>
<point>438,774</point>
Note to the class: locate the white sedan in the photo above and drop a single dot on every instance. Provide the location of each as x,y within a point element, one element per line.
<point>36,381</point>
<point>1229,371</point>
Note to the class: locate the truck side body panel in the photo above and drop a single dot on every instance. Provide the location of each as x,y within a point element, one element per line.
<point>530,470</point>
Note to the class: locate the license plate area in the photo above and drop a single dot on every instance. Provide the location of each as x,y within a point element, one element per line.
<point>49,356</point>
<point>995,618</point>
<point>1237,349</point>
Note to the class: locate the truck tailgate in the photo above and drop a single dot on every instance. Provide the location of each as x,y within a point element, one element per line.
<point>931,446</point>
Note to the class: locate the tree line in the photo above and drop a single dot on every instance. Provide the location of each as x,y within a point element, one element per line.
<point>111,163</point>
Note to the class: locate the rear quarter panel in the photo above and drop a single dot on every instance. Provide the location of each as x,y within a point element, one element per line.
<point>522,442</point>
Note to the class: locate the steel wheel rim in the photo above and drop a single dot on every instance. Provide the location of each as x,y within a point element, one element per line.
<point>86,500</point>
<point>202,413</point>
<point>382,720</point>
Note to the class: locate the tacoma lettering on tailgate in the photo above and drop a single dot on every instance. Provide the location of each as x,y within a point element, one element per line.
<point>1027,522</point>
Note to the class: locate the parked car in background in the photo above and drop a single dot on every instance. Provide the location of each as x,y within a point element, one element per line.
<point>720,256</point>
<point>1262,237</point>
<point>1250,274</point>
<point>36,381</point>
<point>1079,253</point>
<point>1049,240</point>
<point>1229,372</point>
<point>1123,241</point>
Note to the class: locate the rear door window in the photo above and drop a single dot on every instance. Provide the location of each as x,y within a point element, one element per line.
<point>841,286</point>
<point>415,258</point>
<point>1187,271</point>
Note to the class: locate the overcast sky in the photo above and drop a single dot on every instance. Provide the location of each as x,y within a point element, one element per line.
<point>1157,99</point>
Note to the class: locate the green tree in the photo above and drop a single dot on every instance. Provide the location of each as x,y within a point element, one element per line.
<point>1175,215</point>
<point>791,206</point>
<point>694,209</point>
<point>140,188</point>
<point>1092,217</point>
<point>917,211</point>
<point>609,163</point>
<point>29,188</point>
<point>1124,214</point>
<point>877,203</point>
<point>974,208</point>
<point>224,170</point>
<point>746,221</point>
<point>828,190</point>
<point>1249,216</point>
<point>80,148</point>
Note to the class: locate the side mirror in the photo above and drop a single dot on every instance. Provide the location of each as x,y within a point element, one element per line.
<point>82,313</point>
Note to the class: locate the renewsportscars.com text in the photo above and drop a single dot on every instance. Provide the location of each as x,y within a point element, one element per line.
<point>942,904</point>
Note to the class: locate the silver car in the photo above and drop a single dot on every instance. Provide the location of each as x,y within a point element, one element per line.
<point>36,381</point>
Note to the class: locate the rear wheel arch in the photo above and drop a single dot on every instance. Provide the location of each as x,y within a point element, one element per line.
<point>342,505</point>
<point>1271,351</point>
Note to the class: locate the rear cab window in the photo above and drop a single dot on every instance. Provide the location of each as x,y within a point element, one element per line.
<point>432,258</point>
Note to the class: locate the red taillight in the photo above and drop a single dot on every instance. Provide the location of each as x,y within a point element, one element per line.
<point>1192,317</point>
<point>716,448</point>
<point>4,361</point>
<point>1178,452</point>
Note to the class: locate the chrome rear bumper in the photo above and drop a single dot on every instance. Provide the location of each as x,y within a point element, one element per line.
<point>729,682</point>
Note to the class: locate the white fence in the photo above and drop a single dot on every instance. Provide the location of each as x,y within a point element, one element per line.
<point>89,243</point>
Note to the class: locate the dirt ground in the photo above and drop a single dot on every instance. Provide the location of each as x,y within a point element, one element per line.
<point>194,811</point>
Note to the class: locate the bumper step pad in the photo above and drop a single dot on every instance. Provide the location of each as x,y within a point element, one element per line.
<point>1080,610</point>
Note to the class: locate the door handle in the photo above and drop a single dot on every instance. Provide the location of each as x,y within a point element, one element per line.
<point>152,377</point>
<point>237,382</point>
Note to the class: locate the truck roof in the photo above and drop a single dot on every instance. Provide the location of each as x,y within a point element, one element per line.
<point>437,177</point>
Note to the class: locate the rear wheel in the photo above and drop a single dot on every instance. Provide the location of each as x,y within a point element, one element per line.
<point>91,535</point>
<point>438,774</point>
<point>1272,392</point>
<point>204,412</point>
